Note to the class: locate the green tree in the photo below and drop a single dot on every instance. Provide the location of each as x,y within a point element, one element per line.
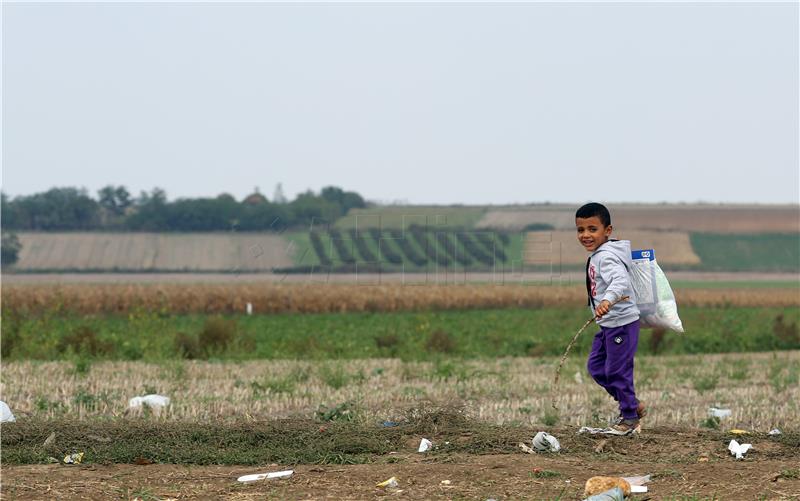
<point>10,247</point>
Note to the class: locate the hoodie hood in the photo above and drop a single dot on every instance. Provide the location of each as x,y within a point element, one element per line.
<point>620,248</point>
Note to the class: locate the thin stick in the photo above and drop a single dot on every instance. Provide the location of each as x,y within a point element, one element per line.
<point>569,347</point>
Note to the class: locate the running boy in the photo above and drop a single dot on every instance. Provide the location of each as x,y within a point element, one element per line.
<point>607,279</point>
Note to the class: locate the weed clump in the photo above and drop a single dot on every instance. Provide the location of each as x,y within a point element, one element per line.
<point>440,341</point>
<point>84,341</point>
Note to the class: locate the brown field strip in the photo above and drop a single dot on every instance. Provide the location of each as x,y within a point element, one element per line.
<point>321,298</point>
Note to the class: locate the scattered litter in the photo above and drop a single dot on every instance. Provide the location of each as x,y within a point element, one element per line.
<point>637,483</point>
<point>578,377</point>
<point>74,458</point>
<point>719,413</point>
<point>445,482</point>
<point>424,445</point>
<point>736,431</point>
<point>5,413</point>
<point>703,458</point>
<point>262,476</point>
<point>738,450</point>
<point>49,440</point>
<point>596,431</point>
<point>249,308</point>
<point>614,494</point>
<point>388,484</point>
<point>51,459</point>
<point>390,424</point>
<point>156,403</point>
<point>544,442</point>
<point>525,448</point>
<point>774,432</point>
<point>597,485</point>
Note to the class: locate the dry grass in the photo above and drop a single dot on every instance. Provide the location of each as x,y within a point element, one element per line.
<point>321,298</point>
<point>761,389</point>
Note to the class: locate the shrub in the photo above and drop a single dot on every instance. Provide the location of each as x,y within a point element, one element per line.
<point>440,341</point>
<point>217,334</point>
<point>84,340</point>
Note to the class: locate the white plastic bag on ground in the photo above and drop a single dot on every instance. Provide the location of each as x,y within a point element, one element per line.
<point>654,295</point>
<point>738,450</point>
<point>5,413</point>
<point>156,403</point>
<point>545,442</point>
<point>424,445</point>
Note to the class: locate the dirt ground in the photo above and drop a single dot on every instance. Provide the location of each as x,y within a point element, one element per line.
<point>685,465</point>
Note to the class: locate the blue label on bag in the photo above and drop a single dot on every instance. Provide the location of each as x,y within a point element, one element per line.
<point>648,254</point>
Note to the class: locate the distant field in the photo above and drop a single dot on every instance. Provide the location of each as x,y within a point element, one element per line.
<point>688,218</point>
<point>455,240</point>
<point>767,252</point>
<point>147,252</point>
<point>403,216</point>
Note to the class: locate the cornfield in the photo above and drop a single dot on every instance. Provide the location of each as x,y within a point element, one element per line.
<point>325,297</point>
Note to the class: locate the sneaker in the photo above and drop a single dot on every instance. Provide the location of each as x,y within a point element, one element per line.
<point>641,411</point>
<point>625,427</point>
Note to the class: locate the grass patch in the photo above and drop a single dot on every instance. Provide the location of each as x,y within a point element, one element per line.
<point>412,336</point>
<point>286,441</point>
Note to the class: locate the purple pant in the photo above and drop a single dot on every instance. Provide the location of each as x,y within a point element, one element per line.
<point>611,364</point>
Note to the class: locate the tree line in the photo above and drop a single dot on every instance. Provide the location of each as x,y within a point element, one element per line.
<point>114,209</point>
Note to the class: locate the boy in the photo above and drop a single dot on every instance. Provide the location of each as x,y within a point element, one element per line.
<point>607,279</point>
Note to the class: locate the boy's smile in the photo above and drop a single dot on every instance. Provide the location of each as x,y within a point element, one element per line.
<point>591,232</point>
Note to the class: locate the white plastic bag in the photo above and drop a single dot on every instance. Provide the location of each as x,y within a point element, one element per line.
<point>5,413</point>
<point>654,297</point>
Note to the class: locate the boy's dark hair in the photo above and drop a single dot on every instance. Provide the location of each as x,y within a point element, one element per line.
<point>595,209</point>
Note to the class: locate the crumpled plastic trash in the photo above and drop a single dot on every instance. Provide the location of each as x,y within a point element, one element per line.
<point>249,308</point>
<point>738,450</point>
<point>424,445</point>
<point>263,476</point>
<point>390,483</point>
<point>525,448</point>
<point>545,442</point>
<point>596,431</point>
<point>5,413</point>
<point>74,458</point>
<point>614,494</point>
<point>774,432</point>
<point>156,403</point>
<point>719,413</point>
<point>637,483</point>
<point>737,431</point>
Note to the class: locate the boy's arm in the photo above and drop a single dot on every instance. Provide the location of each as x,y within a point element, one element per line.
<point>613,271</point>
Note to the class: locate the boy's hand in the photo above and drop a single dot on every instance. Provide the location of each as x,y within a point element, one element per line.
<point>602,308</point>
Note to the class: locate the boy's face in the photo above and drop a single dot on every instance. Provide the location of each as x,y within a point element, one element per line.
<point>591,232</point>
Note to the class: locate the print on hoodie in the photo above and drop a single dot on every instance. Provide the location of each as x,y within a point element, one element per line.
<point>609,279</point>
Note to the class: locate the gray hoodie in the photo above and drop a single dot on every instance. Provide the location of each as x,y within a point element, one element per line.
<point>608,278</point>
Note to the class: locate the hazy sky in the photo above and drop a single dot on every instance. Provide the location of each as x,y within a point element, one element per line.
<point>446,103</point>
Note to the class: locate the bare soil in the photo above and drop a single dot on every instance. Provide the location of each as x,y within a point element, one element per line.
<point>685,464</point>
